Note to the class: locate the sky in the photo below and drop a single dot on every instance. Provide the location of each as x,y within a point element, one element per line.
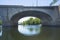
<point>28,2</point>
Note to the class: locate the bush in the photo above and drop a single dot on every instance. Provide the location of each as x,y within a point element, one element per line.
<point>0,22</point>
<point>32,21</point>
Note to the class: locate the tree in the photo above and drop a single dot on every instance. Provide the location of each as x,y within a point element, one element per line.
<point>53,2</point>
<point>37,21</point>
<point>0,22</point>
<point>32,21</point>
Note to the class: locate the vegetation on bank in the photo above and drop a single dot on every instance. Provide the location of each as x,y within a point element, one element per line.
<point>0,22</point>
<point>32,21</point>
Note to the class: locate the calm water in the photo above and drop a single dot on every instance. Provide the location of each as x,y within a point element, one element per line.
<point>47,33</point>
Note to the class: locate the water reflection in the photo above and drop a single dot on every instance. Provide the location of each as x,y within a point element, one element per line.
<point>46,33</point>
<point>0,30</point>
<point>29,30</point>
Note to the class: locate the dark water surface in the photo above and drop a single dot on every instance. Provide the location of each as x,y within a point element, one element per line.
<point>47,33</point>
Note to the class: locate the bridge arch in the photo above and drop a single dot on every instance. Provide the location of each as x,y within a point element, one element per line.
<point>46,19</point>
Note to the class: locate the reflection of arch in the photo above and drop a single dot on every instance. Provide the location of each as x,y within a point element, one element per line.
<point>46,19</point>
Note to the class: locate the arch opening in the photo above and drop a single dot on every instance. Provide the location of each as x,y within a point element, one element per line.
<point>29,26</point>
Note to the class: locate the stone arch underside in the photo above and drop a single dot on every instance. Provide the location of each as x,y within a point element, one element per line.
<point>46,19</point>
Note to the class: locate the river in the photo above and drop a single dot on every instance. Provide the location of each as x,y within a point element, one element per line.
<point>47,33</point>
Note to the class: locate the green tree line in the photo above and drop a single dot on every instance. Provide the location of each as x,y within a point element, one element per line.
<point>32,21</point>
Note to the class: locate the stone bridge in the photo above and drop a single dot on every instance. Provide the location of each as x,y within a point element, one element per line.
<point>12,13</point>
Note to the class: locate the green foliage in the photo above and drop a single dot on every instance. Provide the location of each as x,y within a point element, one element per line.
<point>0,22</point>
<point>32,21</point>
<point>53,2</point>
<point>37,21</point>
